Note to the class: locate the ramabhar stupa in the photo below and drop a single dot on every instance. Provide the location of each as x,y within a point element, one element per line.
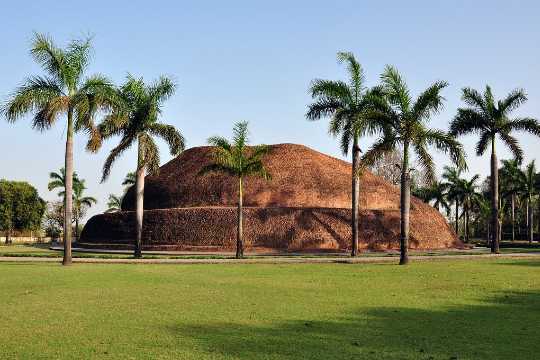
<point>304,207</point>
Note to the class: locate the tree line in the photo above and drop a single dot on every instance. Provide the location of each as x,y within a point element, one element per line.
<point>388,111</point>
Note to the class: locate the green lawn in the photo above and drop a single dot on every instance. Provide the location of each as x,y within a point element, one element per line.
<point>486,309</point>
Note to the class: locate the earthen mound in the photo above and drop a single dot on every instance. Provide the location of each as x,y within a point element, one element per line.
<point>304,207</point>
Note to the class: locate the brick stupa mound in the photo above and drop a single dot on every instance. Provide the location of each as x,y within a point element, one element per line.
<point>304,207</point>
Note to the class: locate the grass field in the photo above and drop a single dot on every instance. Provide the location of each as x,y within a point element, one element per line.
<point>487,309</point>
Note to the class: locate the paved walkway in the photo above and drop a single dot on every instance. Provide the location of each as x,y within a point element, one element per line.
<point>277,259</point>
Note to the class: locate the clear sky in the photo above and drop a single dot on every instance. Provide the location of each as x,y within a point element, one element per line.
<point>254,60</point>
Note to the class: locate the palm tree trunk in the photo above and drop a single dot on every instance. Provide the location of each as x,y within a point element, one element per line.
<point>355,196</point>
<point>139,209</point>
<point>527,217</point>
<point>68,197</point>
<point>513,205</point>
<point>239,230</point>
<point>405,205</point>
<point>530,213</point>
<point>494,200</point>
<point>466,224</point>
<point>76,226</point>
<point>457,218</point>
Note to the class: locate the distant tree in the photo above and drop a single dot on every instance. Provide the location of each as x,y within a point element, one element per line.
<point>81,204</point>
<point>53,219</point>
<point>63,91</point>
<point>114,204</point>
<point>489,119</point>
<point>511,186</point>
<point>530,191</point>
<point>236,159</point>
<point>136,121</point>
<point>58,181</point>
<point>347,104</point>
<point>435,194</point>
<point>452,177</point>
<point>21,208</point>
<point>405,124</point>
<point>470,197</point>
<point>130,179</point>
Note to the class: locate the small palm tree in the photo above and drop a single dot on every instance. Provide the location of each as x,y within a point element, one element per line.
<point>136,122</point>
<point>470,198</point>
<point>114,204</point>
<point>530,190</point>
<point>511,187</point>
<point>347,104</point>
<point>58,181</point>
<point>489,119</point>
<point>130,179</point>
<point>452,175</point>
<point>436,193</point>
<point>62,92</point>
<point>405,124</point>
<point>80,203</point>
<point>236,159</point>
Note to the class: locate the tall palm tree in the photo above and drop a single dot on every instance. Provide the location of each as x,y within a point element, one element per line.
<point>347,104</point>
<point>114,204</point>
<point>80,203</point>
<point>136,121</point>
<point>452,175</point>
<point>511,185</point>
<point>63,91</point>
<point>529,181</point>
<point>489,119</point>
<point>435,193</point>
<point>405,124</point>
<point>235,158</point>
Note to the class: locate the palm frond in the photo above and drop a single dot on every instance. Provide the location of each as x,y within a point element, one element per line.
<point>447,144</point>
<point>468,121</point>
<point>34,95</point>
<point>430,101</point>
<point>51,58</point>
<point>512,143</point>
<point>125,144</point>
<point>170,134</point>
<point>395,88</point>
<point>425,160</point>
<point>529,125</point>
<point>356,74</point>
<point>512,101</point>
<point>474,99</point>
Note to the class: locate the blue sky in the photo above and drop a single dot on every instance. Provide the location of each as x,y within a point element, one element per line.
<point>254,60</point>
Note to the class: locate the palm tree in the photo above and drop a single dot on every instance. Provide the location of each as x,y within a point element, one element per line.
<point>452,175</point>
<point>347,104</point>
<point>58,181</point>
<point>236,159</point>
<point>510,185</point>
<point>130,179</point>
<point>80,203</point>
<point>405,123</point>
<point>435,193</point>
<point>114,204</point>
<point>136,121</point>
<point>470,198</point>
<point>63,91</point>
<point>488,118</point>
<point>528,179</point>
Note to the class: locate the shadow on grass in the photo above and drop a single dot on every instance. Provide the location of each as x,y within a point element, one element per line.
<point>497,328</point>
